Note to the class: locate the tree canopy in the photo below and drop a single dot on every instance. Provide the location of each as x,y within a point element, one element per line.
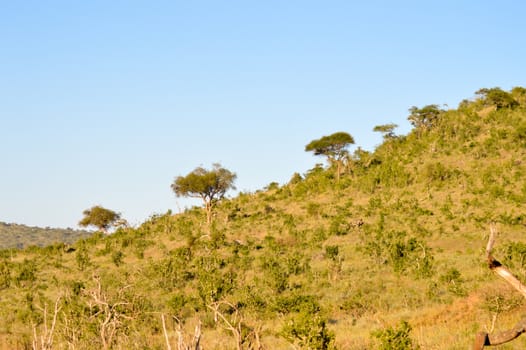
<point>334,147</point>
<point>209,185</point>
<point>99,217</point>
<point>497,97</point>
<point>387,130</point>
<point>426,117</point>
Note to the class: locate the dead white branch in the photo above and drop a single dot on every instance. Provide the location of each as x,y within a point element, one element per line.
<point>484,339</point>
<point>235,325</point>
<point>168,346</point>
<point>45,340</point>
<point>498,268</point>
<point>108,313</point>
<point>195,344</point>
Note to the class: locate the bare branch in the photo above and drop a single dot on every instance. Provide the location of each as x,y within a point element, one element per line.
<point>181,343</point>
<point>197,336</point>
<point>484,339</point>
<point>234,326</point>
<point>168,346</point>
<point>500,269</point>
<point>46,338</point>
<point>491,239</point>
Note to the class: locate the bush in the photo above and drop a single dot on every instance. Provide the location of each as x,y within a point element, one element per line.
<point>309,331</point>
<point>359,303</point>
<point>276,275</point>
<point>395,338</point>
<point>454,282</point>
<point>401,252</point>
<point>307,304</point>
<point>339,226</point>
<point>27,272</point>
<point>5,274</point>
<point>117,257</point>
<point>331,252</point>
<point>182,306</point>
<point>515,254</point>
<point>82,257</point>
<point>437,172</point>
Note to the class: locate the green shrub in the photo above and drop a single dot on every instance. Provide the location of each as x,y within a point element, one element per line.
<point>5,274</point>
<point>313,209</point>
<point>117,257</point>
<point>514,254</point>
<point>395,338</point>
<point>82,257</point>
<point>276,276</point>
<point>359,303</point>
<point>400,251</point>
<point>26,272</point>
<point>309,331</point>
<point>339,226</point>
<point>454,282</point>
<point>331,252</point>
<point>182,306</point>
<point>296,302</point>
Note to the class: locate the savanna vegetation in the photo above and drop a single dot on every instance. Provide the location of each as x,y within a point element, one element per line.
<point>376,250</point>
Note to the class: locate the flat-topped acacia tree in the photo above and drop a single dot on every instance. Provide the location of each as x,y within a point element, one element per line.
<point>209,185</point>
<point>100,217</point>
<point>387,130</point>
<point>334,147</point>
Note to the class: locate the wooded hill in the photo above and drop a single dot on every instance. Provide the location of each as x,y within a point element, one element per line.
<point>388,256</point>
<point>21,236</point>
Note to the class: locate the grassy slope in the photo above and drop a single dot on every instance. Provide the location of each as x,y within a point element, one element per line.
<point>288,256</point>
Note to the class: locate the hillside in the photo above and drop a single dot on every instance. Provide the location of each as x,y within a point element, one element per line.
<point>390,256</point>
<point>21,236</point>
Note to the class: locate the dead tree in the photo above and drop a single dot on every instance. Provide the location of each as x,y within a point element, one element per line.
<point>108,314</point>
<point>484,339</point>
<point>235,325</point>
<point>195,343</point>
<point>44,341</point>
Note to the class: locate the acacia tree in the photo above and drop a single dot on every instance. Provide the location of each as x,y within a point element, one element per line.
<point>100,217</point>
<point>209,185</point>
<point>387,130</point>
<point>424,118</point>
<point>334,147</point>
<point>497,97</point>
<point>388,134</point>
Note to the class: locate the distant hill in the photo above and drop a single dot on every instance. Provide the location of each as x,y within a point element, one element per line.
<point>22,236</point>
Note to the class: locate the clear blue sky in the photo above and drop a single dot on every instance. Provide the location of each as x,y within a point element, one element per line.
<point>105,102</point>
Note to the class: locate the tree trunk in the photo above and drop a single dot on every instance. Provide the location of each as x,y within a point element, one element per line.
<point>208,208</point>
<point>482,339</point>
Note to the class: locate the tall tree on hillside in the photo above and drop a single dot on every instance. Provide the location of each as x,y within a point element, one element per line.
<point>387,130</point>
<point>334,147</point>
<point>519,94</point>
<point>100,217</point>
<point>424,118</point>
<point>209,185</point>
<point>497,97</point>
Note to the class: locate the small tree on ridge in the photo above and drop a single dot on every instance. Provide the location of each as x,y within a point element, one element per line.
<point>334,147</point>
<point>209,185</point>
<point>100,217</point>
